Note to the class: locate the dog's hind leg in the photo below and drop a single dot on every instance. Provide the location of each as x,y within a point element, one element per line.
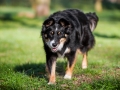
<point>84,61</point>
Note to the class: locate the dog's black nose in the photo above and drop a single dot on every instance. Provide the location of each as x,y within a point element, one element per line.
<point>54,44</point>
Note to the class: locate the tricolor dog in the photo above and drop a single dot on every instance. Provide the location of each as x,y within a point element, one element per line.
<point>67,33</point>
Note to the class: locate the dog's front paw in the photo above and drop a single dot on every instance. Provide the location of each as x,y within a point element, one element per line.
<point>51,83</point>
<point>67,77</point>
<point>84,66</point>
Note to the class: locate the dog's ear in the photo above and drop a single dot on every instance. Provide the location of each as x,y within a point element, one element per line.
<point>93,20</point>
<point>48,22</point>
<point>64,23</point>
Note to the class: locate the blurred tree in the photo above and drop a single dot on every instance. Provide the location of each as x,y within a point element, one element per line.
<point>41,7</point>
<point>98,5</point>
<point>111,4</point>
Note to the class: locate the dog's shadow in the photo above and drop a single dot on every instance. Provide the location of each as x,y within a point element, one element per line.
<point>38,70</point>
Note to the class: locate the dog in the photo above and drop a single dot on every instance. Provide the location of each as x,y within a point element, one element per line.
<point>65,34</point>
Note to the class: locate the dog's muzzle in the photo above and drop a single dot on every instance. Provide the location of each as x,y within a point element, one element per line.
<point>54,47</point>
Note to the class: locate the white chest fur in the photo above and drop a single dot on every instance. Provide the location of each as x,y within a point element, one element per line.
<point>65,52</point>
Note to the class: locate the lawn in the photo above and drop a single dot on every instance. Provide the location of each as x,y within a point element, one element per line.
<point>22,57</point>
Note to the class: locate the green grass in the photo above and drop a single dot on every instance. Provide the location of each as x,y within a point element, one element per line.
<point>22,57</point>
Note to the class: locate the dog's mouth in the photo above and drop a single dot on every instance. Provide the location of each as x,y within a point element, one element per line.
<point>54,49</point>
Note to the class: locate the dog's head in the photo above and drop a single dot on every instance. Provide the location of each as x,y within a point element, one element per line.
<point>55,33</point>
<point>68,27</point>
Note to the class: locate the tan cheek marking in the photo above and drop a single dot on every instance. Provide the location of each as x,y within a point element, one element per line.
<point>62,40</point>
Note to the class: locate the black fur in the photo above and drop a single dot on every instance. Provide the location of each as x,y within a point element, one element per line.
<point>75,27</point>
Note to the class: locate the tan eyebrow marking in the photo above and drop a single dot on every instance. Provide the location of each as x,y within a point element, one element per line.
<point>59,33</point>
<point>52,32</point>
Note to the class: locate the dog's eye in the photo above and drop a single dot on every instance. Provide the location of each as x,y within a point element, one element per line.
<point>52,33</point>
<point>59,33</point>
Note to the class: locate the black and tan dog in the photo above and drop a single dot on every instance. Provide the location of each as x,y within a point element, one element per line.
<point>64,34</point>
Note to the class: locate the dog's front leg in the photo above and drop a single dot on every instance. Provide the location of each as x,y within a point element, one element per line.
<point>51,67</point>
<point>70,66</point>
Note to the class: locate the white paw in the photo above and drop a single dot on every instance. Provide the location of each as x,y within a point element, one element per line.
<point>84,67</point>
<point>67,77</point>
<point>51,83</point>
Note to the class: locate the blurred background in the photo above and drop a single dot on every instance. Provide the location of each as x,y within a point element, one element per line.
<point>16,10</point>
<point>39,8</point>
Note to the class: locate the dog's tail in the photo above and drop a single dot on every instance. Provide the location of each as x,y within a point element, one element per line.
<point>93,20</point>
